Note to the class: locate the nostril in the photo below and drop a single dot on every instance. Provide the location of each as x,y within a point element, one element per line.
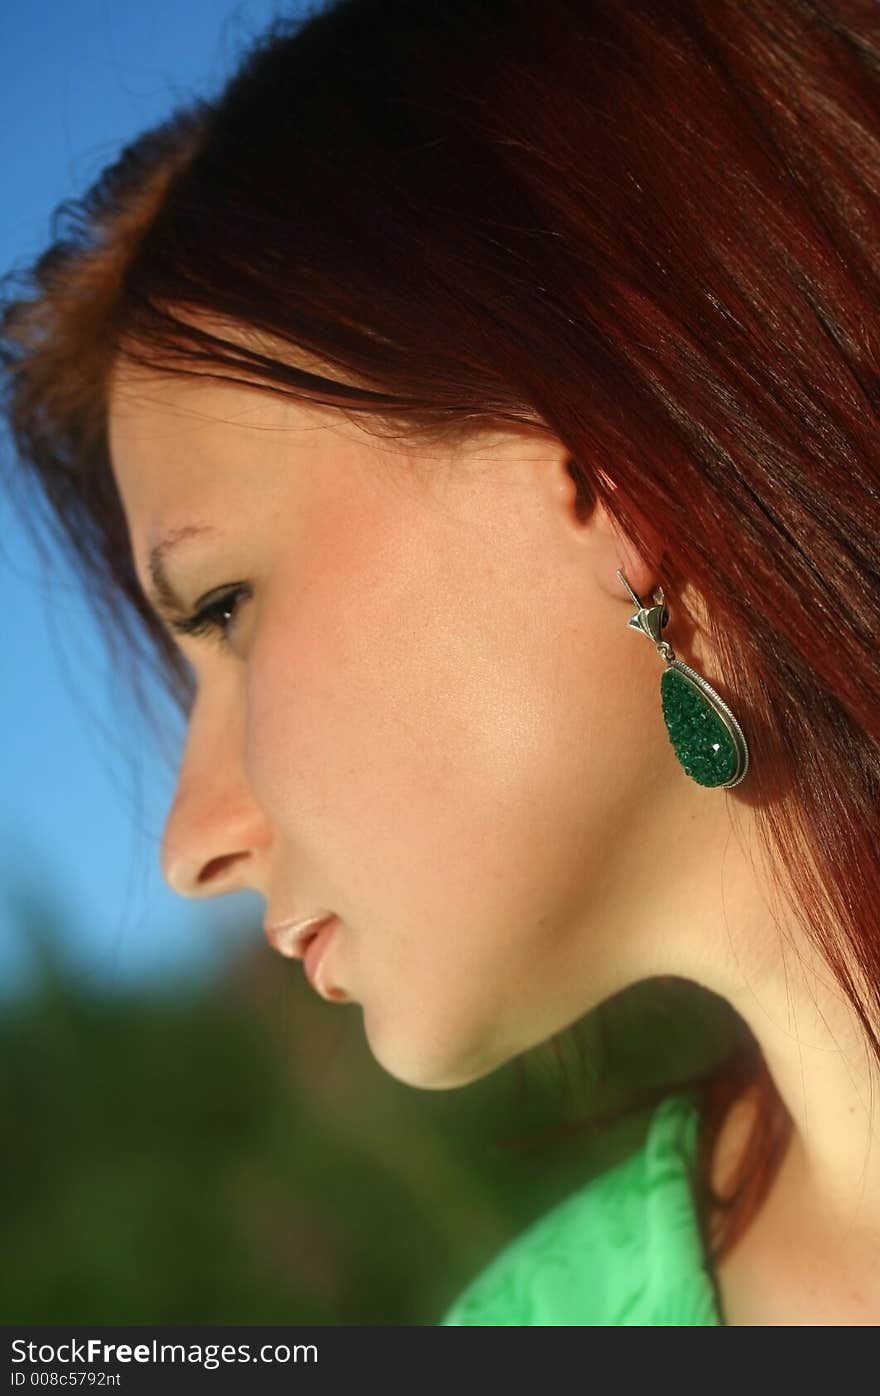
<point>215,866</point>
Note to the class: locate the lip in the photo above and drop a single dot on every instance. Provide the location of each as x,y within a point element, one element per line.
<point>291,937</point>
<point>315,953</point>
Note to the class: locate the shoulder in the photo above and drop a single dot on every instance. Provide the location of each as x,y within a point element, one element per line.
<point>623,1249</point>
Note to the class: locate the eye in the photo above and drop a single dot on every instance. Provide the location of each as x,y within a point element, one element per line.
<point>214,618</point>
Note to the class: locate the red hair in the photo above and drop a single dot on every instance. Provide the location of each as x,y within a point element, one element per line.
<point>651,230</point>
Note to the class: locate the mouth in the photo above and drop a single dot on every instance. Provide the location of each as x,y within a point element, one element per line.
<point>291,938</point>
<point>315,948</point>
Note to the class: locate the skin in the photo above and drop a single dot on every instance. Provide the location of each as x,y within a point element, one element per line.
<point>433,720</point>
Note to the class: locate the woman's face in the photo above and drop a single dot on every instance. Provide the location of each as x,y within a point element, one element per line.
<point>431,717</point>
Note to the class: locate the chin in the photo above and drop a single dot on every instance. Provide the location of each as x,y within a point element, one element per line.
<point>431,1065</point>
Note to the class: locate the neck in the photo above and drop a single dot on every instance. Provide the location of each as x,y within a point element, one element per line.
<point>743,941</point>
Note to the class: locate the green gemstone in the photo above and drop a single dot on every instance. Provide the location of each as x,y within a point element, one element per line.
<point>702,742</point>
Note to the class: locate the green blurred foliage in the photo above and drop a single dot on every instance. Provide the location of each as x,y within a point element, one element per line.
<point>236,1155</point>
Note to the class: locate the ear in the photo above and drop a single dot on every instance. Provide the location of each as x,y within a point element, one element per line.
<point>615,549</point>
<point>611,547</point>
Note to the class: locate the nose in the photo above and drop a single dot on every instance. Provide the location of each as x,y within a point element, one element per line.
<point>216,837</point>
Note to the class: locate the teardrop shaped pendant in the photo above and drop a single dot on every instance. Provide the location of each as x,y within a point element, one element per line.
<point>705,735</point>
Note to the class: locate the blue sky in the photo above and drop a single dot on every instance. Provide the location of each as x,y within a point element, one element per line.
<point>85,786</point>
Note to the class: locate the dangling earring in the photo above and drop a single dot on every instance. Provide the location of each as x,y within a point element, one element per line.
<point>705,735</point>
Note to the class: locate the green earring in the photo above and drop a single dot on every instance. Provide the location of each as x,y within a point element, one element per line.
<point>705,735</point>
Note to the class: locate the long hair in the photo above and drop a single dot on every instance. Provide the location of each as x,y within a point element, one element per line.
<point>649,228</point>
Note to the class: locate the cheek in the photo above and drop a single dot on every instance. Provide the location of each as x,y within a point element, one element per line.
<point>451,754</point>
<point>438,748</point>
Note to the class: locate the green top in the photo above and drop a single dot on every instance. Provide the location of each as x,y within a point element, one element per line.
<point>624,1249</point>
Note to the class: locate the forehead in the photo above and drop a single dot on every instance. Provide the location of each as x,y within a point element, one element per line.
<point>172,436</point>
<point>145,402</point>
<point>148,409</point>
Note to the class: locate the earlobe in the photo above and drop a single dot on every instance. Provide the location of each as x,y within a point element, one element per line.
<point>611,547</point>
<point>617,550</point>
<point>584,494</point>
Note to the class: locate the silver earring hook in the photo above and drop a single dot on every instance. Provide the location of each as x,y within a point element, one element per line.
<point>650,620</point>
<point>657,593</point>
<point>629,589</point>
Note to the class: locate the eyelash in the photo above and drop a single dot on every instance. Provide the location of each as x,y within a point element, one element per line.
<point>208,619</point>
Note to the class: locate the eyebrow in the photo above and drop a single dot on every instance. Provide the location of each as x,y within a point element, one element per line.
<point>162,596</point>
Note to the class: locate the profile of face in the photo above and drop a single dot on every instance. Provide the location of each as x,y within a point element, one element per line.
<point>427,713</point>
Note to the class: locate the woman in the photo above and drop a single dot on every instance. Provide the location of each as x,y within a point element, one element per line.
<point>457,374</point>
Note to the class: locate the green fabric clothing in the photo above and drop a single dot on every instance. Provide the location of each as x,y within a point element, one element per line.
<point>624,1249</point>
